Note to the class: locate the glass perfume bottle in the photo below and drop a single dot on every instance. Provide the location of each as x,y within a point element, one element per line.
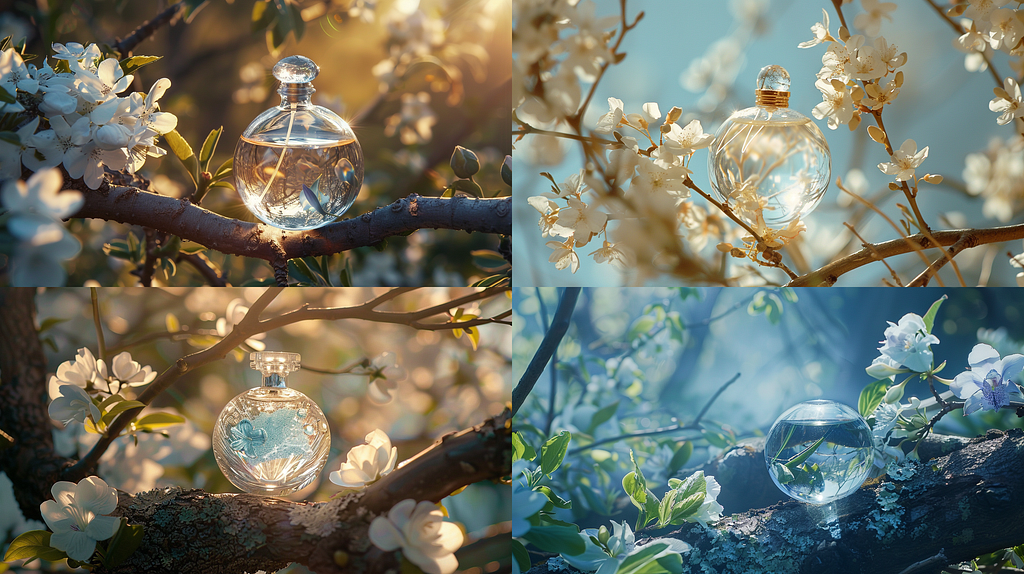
<point>771,163</point>
<point>819,451</point>
<point>298,165</point>
<point>271,440</point>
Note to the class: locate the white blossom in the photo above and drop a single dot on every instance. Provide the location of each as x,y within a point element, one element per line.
<point>579,220</point>
<point>73,404</point>
<point>129,372</point>
<point>367,463</point>
<point>870,21</point>
<point>820,31</point>
<point>385,372</point>
<point>563,255</point>
<point>837,104</point>
<point>611,120</point>
<point>1007,102</point>
<point>904,161</point>
<point>76,516</point>
<point>420,532</point>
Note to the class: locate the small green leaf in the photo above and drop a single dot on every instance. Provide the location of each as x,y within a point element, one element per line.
<point>9,137</point>
<point>929,317</point>
<point>109,401</point>
<point>49,323</point>
<point>871,396</point>
<point>782,473</point>
<point>184,152</point>
<point>556,500</point>
<point>603,415</point>
<point>521,556</point>
<point>557,539</point>
<point>805,454</point>
<point>522,449</point>
<point>646,561</point>
<point>468,186</point>
<point>680,458</point>
<point>33,544</point>
<point>130,65</point>
<point>488,260</point>
<point>123,544</point>
<point>158,420</point>
<point>122,407</point>
<point>553,452</point>
<point>8,98</point>
<point>209,147</point>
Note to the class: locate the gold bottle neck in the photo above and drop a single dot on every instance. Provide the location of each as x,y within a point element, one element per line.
<point>771,98</point>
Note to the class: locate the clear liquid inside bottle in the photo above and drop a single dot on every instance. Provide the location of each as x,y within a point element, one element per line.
<point>298,165</point>
<point>819,453</point>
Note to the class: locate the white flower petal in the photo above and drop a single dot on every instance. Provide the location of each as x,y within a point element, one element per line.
<point>384,535</point>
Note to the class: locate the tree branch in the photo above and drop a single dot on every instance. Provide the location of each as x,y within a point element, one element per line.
<point>147,29</point>
<point>559,326</point>
<point>972,505</point>
<point>134,206</point>
<point>192,531</point>
<point>829,274</point>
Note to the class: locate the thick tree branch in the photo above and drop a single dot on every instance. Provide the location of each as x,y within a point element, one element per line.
<point>559,326</point>
<point>971,505</point>
<point>191,531</point>
<point>967,238</point>
<point>133,206</point>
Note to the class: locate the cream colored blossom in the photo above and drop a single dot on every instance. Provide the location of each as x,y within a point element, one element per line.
<point>620,257</point>
<point>880,96</point>
<point>870,21</point>
<point>612,119</point>
<point>548,213</point>
<point>422,535</point>
<point>904,161</point>
<point>820,31</point>
<point>1007,29</point>
<point>580,220</point>
<point>76,516</point>
<point>837,104</point>
<point>367,463</point>
<point>1007,102</point>
<point>563,255</point>
<point>654,177</point>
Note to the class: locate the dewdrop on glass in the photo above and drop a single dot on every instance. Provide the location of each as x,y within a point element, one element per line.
<point>770,162</point>
<point>271,440</point>
<point>298,165</point>
<point>819,451</point>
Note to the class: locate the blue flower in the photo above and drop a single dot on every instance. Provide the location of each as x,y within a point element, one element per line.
<point>907,343</point>
<point>988,384</point>
<point>245,438</point>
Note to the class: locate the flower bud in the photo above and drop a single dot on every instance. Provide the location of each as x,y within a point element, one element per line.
<point>673,115</point>
<point>603,535</point>
<point>464,162</point>
<point>894,394</point>
<point>506,170</point>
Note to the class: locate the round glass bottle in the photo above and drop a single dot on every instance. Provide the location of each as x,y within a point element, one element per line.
<point>271,440</point>
<point>819,451</point>
<point>772,164</point>
<point>298,165</point>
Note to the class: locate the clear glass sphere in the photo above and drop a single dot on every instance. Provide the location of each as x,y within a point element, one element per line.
<point>298,165</point>
<point>271,440</point>
<point>819,451</point>
<point>770,162</point>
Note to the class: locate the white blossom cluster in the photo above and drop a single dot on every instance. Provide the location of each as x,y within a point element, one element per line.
<point>81,120</point>
<point>997,175</point>
<point>990,26</point>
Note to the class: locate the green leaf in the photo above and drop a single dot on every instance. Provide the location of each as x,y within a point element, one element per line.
<point>782,473</point>
<point>192,7</point>
<point>642,325</point>
<point>522,449</point>
<point>929,317</point>
<point>8,98</point>
<point>158,420</point>
<point>521,556</point>
<point>261,17</point>
<point>557,539</point>
<point>122,407</point>
<point>183,152</point>
<point>33,544</point>
<point>680,508</point>
<point>804,454</point>
<point>553,451</point>
<point>556,500</point>
<point>680,458</point>
<point>603,415</point>
<point>130,65</point>
<point>123,544</point>
<point>109,401</point>
<point>715,438</point>
<point>49,323</point>
<point>209,146</point>
<point>468,186</point>
<point>647,561</point>
<point>488,260</point>
<point>871,396</point>
<point>491,280</point>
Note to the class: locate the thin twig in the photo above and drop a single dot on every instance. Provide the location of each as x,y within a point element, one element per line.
<point>101,346</point>
<point>559,326</point>
<point>692,425</point>
<point>947,256</point>
<point>148,28</point>
<point>877,255</point>
<point>342,371</point>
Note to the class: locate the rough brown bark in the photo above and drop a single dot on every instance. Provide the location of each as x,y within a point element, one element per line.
<point>953,508</point>
<point>134,206</point>
<point>30,462</point>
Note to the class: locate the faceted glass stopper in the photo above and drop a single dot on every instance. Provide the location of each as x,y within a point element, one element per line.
<point>819,451</point>
<point>774,78</point>
<point>301,70</point>
<point>275,362</point>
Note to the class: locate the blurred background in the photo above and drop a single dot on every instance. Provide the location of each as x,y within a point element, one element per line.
<point>422,76</point>
<point>442,385</point>
<point>704,57</point>
<point>662,353</point>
